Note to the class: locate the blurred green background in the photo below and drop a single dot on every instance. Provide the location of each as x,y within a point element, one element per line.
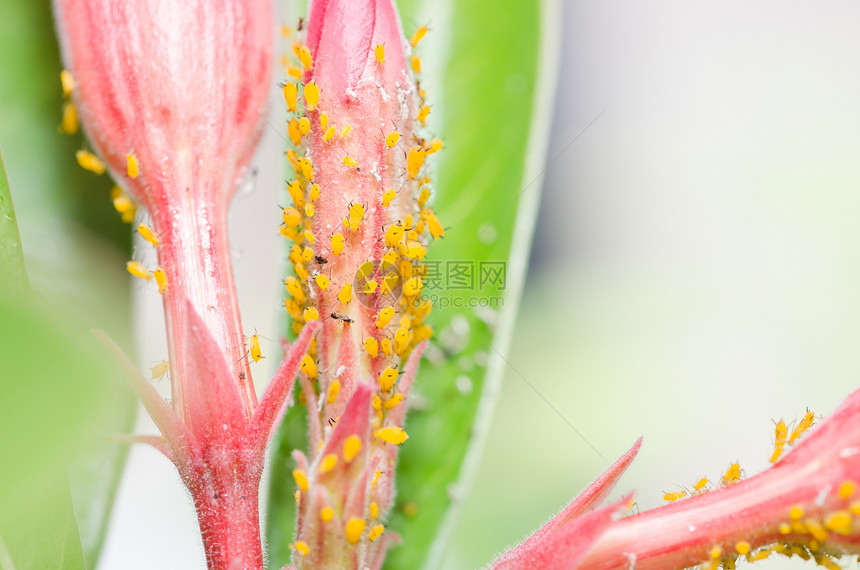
<point>693,276</point>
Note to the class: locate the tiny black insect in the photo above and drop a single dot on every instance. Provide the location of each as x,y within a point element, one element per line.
<point>343,318</point>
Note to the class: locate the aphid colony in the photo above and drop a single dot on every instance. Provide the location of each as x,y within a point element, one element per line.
<point>802,535</point>
<point>386,290</point>
<point>360,224</point>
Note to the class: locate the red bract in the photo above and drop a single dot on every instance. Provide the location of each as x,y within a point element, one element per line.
<point>360,224</point>
<point>172,96</point>
<point>805,506</point>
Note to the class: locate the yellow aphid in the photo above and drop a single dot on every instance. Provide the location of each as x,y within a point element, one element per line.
<point>393,235</point>
<point>333,391</point>
<point>433,146</point>
<point>323,120</point>
<point>364,270</point>
<point>387,378</point>
<point>160,279</point>
<point>370,287</point>
<point>385,346</point>
<point>389,258</point>
<point>414,161</point>
<point>839,522</point>
<point>304,126</point>
<point>700,484</point>
<point>312,95</point>
<point>781,433</point>
<point>294,132</point>
<point>388,196</point>
<point>328,463</point>
<point>416,37</point>
<point>345,295</point>
<point>375,478</point>
<point>292,217</point>
<point>301,272</point>
<point>422,114</point>
<point>309,367</point>
<point>805,423</point>
<point>354,529</point>
<point>670,497</point>
<point>291,95</point>
<point>351,447</point>
<point>148,234</point>
<point>160,369</point>
<point>294,71</point>
<point>309,210</point>
<point>307,168</point>
<point>846,490</point>
<point>375,532</point>
<point>137,269</point>
<point>314,193</point>
<point>392,401</point>
<point>415,61</point>
<point>373,510</point>
<point>795,513</point>
<point>254,347</point>
<point>733,474</point>
<point>293,308</point>
<point>322,281</point>
<point>307,254</point>
<point>304,55</point>
<point>329,133</point>
<point>89,161</point>
<point>337,243</point>
<point>436,229</point>
<point>345,131</point>
<point>349,161</point>
<point>380,53</point>
<point>123,204</point>
<point>415,250</point>
<point>302,548</point>
<point>294,287</point>
<point>392,139</point>
<point>742,547</point>
<point>309,236</point>
<point>423,197</point>
<point>401,340</point>
<point>326,514</point>
<point>716,552</point>
<point>69,123</point>
<point>384,317</point>
<point>301,479</point>
<point>67,81</point>
<point>356,214</point>
<point>371,346</point>
<point>391,434</point>
<point>412,287</point>
<point>310,314</point>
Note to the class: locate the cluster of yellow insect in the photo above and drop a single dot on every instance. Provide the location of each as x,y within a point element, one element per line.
<point>781,439</point>
<point>123,204</point>
<point>802,534</point>
<point>388,286</point>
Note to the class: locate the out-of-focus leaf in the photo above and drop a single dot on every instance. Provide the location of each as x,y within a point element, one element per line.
<point>73,241</point>
<point>490,86</point>
<point>57,386</point>
<point>11,255</point>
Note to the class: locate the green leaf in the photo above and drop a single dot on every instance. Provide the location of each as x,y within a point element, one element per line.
<point>489,73</point>
<point>57,388</point>
<point>74,243</point>
<point>493,93</point>
<point>11,253</point>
